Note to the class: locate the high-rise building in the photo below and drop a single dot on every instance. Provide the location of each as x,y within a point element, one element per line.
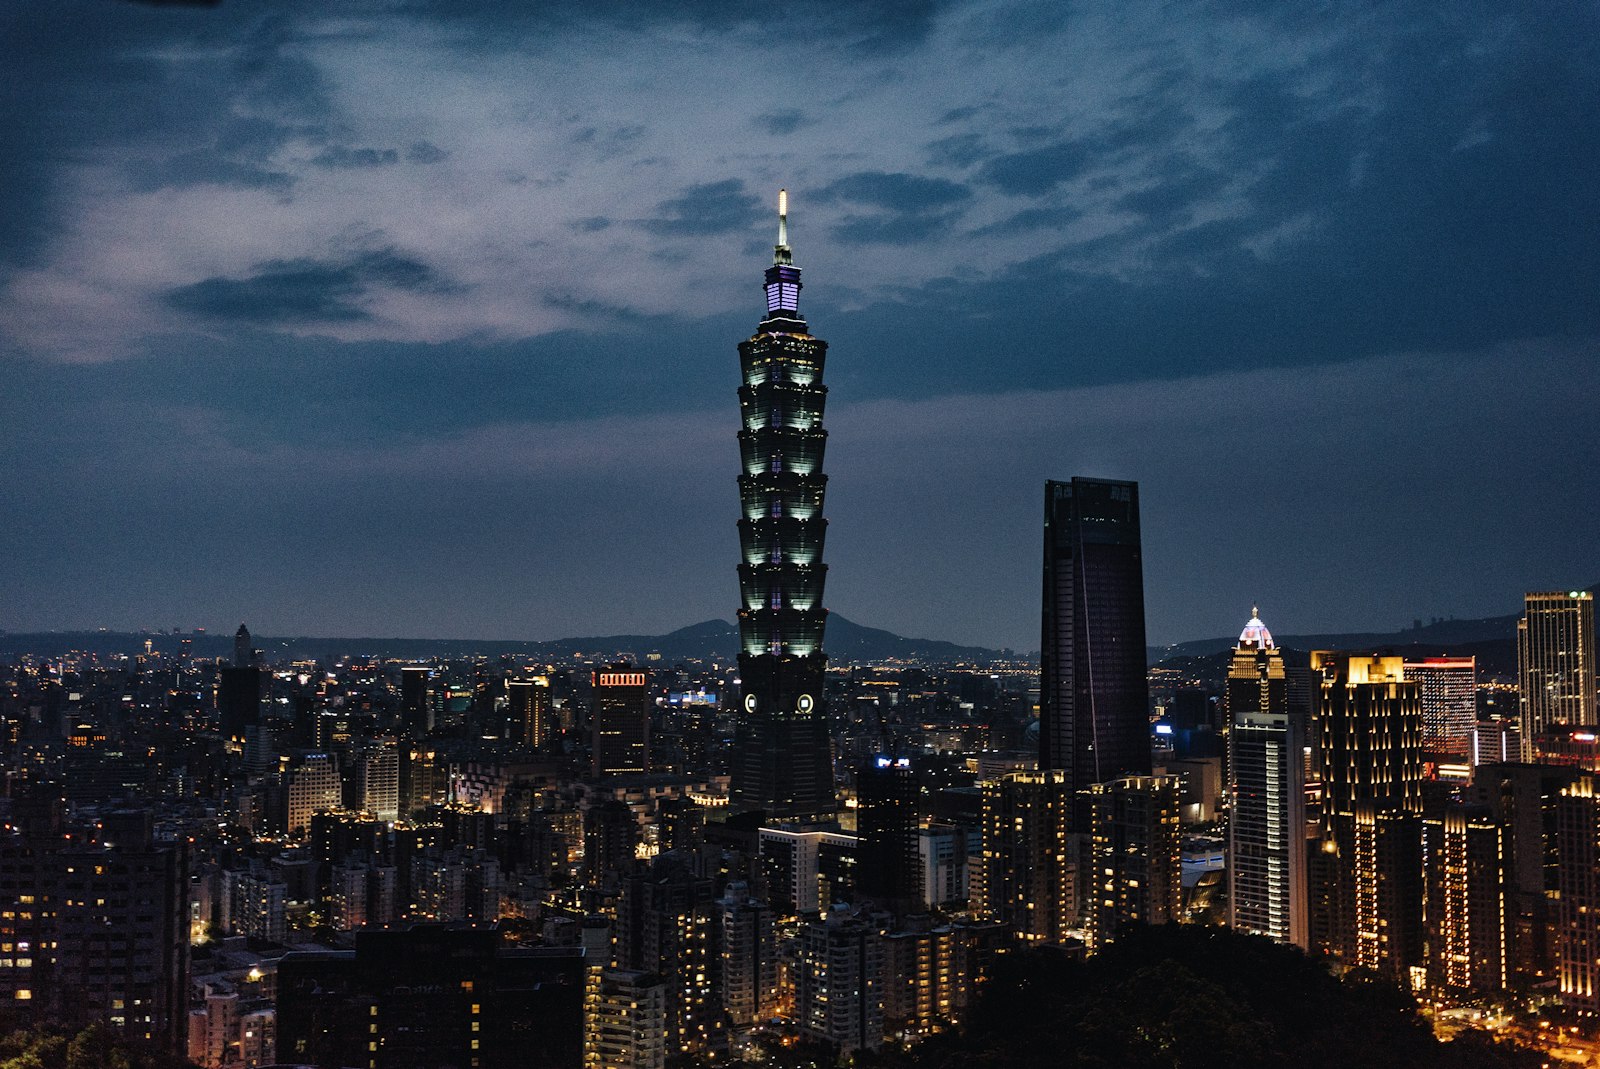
<point>1464,902</point>
<point>1448,688</point>
<point>1094,700</point>
<point>1368,733</point>
<point>1266,789</point>
<point>1368,867</point>
<point>806,870</point>
<point>620,714</point>
<point>361,893</point>
<point>628,1022</point>
<point>416,707</point>
<point>1134,863</point>
<point>667,924</point>
<point>942,852</point>
<point>1524,800</point>
<point>838,982</point>
<point>888,809</point>
<point>430,996</point>
<point>239,689</point>
<point>1555,663</point>
<point>1381,867</point>
<point>782,762</point>
<point>748,953</point>
<point>312,784</point>
<point>376,781</point>
<point>928,978</point>
<point>97,931</point>
<point>532,714</point>
<point>1578,906</point>
<point>1030,855</point>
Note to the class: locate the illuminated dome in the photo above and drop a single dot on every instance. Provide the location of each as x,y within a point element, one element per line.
<point>1255,634</point>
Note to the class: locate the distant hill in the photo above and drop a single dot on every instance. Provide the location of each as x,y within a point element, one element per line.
<point>711,640</point>
<point>1490,629</point>
<point>1492,639</point>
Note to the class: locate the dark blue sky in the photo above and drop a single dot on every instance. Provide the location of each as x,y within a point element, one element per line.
<point>418,318</point>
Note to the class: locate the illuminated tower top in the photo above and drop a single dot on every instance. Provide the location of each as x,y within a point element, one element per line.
<point>783,277</point>
<point>1255,634</point>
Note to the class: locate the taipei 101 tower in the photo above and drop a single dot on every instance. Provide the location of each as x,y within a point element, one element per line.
<point>781,765</point>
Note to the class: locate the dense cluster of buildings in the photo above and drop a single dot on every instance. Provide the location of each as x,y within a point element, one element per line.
<point>487,861</point>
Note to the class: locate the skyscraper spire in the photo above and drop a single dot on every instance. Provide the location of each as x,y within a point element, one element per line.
<point>782,764</point>
<point>780,252</point>
<point>783,278</point>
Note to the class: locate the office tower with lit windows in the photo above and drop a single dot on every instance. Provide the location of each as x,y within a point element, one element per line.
<point>1523,799</point>
<point>1134,865</point>
<point>1266,789</point>
<point>311,785</point>
<point>1094,722</point>
<point>1368,731</point>
<point>1464,902</point>
<point>1448,688</point>
<point>782,763</point>
<point>1381,868</point>
<point>1368,734</point>
<point>532,715</point>
<point>1555,663</point>
<point>620,716</point>
<point>1030,854</point>
<point>1578,887</point>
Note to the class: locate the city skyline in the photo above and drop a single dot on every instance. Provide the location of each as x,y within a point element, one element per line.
<point>344,331</point>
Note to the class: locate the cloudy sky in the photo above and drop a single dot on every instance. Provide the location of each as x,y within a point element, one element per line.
<point>418,318</point>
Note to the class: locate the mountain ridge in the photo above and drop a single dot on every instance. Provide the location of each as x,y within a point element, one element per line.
<point>846,641</point>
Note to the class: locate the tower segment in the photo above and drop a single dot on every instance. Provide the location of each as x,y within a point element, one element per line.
<point>782,765</point>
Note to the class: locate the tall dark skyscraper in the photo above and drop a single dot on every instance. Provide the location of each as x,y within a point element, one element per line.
<point>239,688</point>
<point>781,762</point>
<point>889,798</point>
<point>1094,700</point>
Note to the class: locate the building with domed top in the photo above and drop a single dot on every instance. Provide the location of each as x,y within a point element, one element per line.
<point>1266,793</point>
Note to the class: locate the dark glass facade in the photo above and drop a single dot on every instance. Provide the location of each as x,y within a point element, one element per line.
<point>782,765</point>
<point>1094,700</point>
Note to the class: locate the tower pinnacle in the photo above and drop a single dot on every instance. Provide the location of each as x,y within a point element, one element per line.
<point>780,252</point>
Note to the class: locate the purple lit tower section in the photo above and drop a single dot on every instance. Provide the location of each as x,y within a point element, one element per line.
<point>782,765</point>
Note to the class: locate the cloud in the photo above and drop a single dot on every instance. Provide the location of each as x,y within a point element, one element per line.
<point>288,292</point>
<point>896,192</point>
<point>1037,171</point>
<point>207,167</point>
<point>1031,220</point>
<point>781,123</point>
<point>343,156</point>
<point>426,152</point>
<point>909,207</point>
<point>706,209</point>
<point>958,150</point>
